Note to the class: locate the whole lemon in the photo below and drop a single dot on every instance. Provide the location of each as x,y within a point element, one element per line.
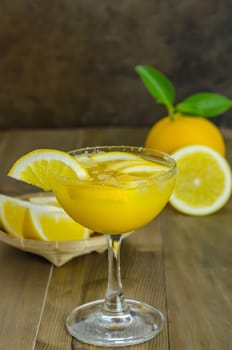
<point>170,134</point>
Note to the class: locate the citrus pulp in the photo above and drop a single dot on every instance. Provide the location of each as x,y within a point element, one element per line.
<point>204,183</point>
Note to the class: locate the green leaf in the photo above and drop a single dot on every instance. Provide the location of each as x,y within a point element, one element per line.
<point>204,104</point>
<point>158,85</point>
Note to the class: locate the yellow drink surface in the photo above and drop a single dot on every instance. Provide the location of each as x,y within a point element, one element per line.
<point>113,202</point>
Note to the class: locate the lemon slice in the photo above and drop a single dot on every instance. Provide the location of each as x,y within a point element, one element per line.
<point>44,200</point>
<point>21,218</point>
<point>144,169</point>
<point>125,163</point>
<point>36,167</point>
<point>113,156</point>
<point>49,223</point>
<point>203,183</point>
<point>12,214</point>
<point>86,161</point>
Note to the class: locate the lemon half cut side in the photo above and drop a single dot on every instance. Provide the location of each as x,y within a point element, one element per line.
<point>204,181</point>
<point>37,166</point>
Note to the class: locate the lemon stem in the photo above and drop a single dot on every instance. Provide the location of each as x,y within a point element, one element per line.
<point>171,111</point>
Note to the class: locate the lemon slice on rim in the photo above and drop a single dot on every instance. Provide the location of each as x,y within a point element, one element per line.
<point>113,156</point>
<point>49,223</point>
<point>203,184</point>
<point>36,167</point>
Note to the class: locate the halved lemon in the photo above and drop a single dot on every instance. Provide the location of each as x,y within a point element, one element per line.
<point>36,166</point>
<point>49,223</point>
<point>203,184</point>
<point>12,214</point>
<point>113,156</point>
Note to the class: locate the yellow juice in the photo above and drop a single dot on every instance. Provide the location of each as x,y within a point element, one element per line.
<point>112,201</point>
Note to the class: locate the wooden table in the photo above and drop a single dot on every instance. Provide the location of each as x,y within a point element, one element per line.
<point>178,263</point>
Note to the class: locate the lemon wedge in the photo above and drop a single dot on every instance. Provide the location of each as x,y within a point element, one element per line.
<point>21,218</point>
<point>12,214</point>
<point>203,184</point>
<point>36,167</point>
<point>49,223</point>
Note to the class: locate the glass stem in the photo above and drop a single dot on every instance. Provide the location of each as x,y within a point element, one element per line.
<point>114,299</point>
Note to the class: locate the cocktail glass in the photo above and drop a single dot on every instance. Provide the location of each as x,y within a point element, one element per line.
<point>112,203</point>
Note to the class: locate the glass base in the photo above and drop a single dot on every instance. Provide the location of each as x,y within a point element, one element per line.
<point>91,324</point>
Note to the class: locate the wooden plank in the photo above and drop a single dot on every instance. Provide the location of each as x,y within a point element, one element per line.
<point>24,281</point>
<point>115,136</point>
<point>35,299</point>
<point>198,276</point>
<point>84,279</point>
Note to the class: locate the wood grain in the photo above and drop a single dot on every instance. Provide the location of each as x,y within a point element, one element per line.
<point>198,264</point>
<point>178,263</point>
<point>85,280</point>
<point>24,282</point>
<point>198,278</point>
